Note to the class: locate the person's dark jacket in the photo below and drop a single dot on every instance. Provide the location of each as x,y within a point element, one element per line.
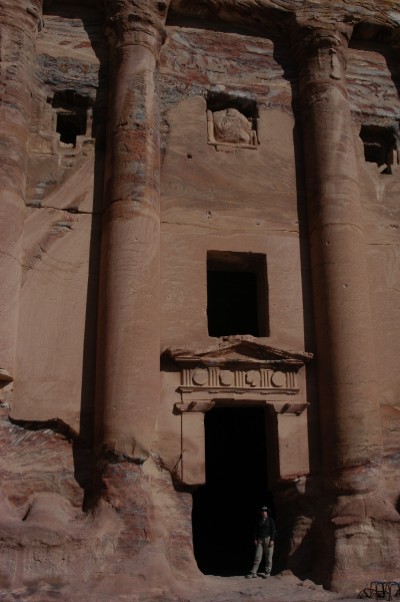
<point>265,528</point>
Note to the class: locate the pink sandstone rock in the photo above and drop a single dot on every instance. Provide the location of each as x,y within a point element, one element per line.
<point>198,225</point>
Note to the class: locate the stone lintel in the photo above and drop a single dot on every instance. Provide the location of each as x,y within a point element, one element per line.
<point>280,407</point>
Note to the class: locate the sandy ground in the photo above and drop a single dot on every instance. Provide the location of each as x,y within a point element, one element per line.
<point>212,589</point>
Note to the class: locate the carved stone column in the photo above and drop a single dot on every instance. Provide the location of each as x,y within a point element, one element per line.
<point>19,23</point>
<point>128,384</point>
<point>348,392</point>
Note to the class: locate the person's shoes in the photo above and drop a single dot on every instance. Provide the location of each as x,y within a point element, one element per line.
<point>265,575</point>
<point>251,576</point>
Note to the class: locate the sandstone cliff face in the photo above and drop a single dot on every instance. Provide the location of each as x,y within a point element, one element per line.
<point>144,147</point>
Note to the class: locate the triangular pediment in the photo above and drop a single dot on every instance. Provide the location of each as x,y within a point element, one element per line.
<point>237,350</point>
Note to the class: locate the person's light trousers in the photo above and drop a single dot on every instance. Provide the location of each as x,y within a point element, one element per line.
<point>263,548</point>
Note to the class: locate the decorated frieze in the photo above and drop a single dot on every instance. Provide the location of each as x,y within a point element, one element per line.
<point>260,379</point>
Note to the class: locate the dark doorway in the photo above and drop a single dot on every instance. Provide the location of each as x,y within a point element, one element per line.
<point>225,509</point>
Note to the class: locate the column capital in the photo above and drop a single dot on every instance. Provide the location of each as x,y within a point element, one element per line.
<point>315,41</point>
<point>136,22</point>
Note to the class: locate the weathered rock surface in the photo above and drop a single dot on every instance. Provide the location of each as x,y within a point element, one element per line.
<point>142,146</point>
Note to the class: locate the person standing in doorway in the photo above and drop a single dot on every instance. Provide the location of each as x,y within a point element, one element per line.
<point>264,542</point>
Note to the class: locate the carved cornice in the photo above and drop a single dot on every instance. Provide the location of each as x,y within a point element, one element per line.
<point>238,350</point>
<point>136,22</point>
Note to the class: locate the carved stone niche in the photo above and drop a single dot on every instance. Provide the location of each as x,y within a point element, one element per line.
<point>240,371</point>
<point>231,122</point>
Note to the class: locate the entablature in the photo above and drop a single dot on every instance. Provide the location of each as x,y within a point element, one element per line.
<point>239,370</point>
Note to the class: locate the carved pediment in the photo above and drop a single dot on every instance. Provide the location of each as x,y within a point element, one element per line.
<point>238,350</point>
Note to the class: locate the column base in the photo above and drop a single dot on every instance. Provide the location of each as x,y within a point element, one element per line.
<point>352,480</point>
<point>366,542</point>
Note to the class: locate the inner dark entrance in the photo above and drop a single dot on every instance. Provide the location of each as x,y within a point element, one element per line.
<point>225,509</point>
<point>237,294</point>
<point>232,303</point>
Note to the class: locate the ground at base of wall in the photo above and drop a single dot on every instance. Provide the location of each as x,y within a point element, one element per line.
<point>284,587</point>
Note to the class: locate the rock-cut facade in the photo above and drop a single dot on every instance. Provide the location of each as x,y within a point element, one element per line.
<point>199,288</point>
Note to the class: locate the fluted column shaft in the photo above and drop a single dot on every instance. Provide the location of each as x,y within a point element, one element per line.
<point>19,22</point>
<point>128,383</point>
<point>348,395</point>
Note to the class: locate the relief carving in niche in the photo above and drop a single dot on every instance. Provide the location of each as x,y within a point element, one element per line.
<point>229,127</point>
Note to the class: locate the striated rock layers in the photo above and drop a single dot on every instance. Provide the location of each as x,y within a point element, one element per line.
<point>199,264</point>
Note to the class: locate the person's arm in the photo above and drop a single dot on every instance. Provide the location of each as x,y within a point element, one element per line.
<point>273,531</point>
<point>256,534</point>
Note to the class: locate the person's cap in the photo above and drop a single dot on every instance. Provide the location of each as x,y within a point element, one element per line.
<point>264,509</point>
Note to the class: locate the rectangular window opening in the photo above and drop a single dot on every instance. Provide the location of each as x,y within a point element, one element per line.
<point>237,294</point>
<point>380,147</point>
<point>72,115</point>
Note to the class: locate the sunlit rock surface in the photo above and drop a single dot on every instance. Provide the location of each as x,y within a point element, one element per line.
<point>148,409</point>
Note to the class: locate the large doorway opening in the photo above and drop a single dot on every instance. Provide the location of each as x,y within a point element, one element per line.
<point>226,507</point>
